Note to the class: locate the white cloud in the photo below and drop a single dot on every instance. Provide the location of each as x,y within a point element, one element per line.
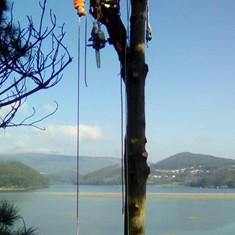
<point>56,138</point>
<point>56,132</point>
<point>90,133</point>
<point>13,141</point>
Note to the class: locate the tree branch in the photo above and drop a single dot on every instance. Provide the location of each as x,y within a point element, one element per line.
<point>31,59</point>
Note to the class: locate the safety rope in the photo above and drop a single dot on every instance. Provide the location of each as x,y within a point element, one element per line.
<point>78,133</point>
<point>124,162</point>
<point>85,56</point>
<point>122,123</point>
<point>85,50</point>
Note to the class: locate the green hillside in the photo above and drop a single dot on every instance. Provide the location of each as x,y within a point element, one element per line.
<point>186,168</point>
<point>194,170</point>
<point>17,176</point>
<point>106,176</point>
<point>62,168</point>
<point>187,159</point>
<point>183,169</point>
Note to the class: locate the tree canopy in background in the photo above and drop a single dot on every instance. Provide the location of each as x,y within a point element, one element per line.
<point>27,65</point>
<point>9,218</point>
<point>18,176</point>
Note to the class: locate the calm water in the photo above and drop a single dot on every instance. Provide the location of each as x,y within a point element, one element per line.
<point>56,215</point>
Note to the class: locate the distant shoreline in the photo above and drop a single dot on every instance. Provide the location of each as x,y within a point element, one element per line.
<point>15,189</point>
<point>6,189</point>
<point>149,195</point>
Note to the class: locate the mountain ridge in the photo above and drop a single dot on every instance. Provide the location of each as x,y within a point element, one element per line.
<point>198,170</point>
<point>184,168</point>
<point>188,159</point>
<point>50,163</point>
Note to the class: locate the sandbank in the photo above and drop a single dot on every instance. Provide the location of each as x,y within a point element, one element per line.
<point>149,195</point>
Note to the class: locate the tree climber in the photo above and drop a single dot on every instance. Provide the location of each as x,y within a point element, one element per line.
<point>79,5</point>
<point>107,12</point>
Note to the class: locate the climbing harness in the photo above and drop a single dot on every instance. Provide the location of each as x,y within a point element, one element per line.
<point>148,36</point>
<point>98,40</point>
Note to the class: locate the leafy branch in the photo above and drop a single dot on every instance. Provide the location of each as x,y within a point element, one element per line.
<point>31,59</point>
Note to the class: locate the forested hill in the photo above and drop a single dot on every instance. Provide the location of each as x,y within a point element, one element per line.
<point>187,159</point>
<point>18,176</point>
<point>194,170</point>
<point>183,168</point>
<point>61,168</point>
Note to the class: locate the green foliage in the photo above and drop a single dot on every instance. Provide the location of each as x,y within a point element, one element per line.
<point>187,159</point>
<point>9,216</point>
<point>25,58</point>
<point>187,169</point>
<point>15,175</point>
<point>195,170</point>
<point>10,41</point>
<point>62,168</point>
<point>106,176</point>
<point>222,178</point>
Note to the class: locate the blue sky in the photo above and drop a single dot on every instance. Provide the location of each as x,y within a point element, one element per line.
<point>190,98</point>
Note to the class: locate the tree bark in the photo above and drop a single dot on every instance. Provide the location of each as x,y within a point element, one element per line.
<point>136,168</point>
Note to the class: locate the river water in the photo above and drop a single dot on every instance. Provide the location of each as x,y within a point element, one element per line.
<point>55,214</point>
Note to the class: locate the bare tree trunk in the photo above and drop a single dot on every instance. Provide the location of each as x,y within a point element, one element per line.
<point>136,168</point>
